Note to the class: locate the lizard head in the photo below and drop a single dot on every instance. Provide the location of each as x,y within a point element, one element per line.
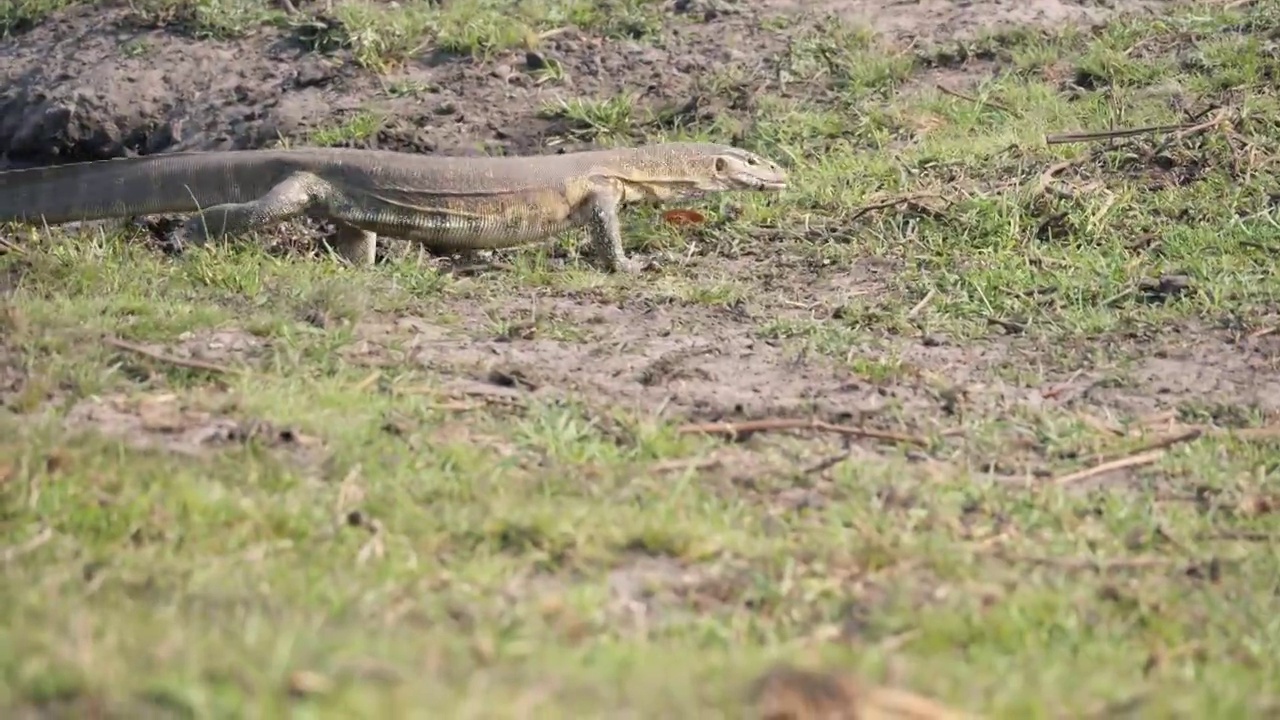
<point>730,168</point>
<point>690,170</point>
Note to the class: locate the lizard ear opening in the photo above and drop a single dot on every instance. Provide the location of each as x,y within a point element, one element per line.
<point>721,164</point>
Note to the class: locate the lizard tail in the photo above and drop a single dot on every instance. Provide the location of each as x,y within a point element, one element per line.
<point>152,184</point>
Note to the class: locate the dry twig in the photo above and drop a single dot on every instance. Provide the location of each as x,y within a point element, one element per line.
<point>1080,563</point>
<point>1138,460</point>
<point>1151,452</point>
<point>923,302</point>
<point>890,202</point>
<point>1176,133</point>
<point>957,94</point>
<point>13,553</point>
<point>1240,536</point>
<point>1268,432</point>
<point>1095,135</point>
<point>1179,131</point>
<point>190,364</point>
<point>1061,387</point>
<point>738,431</point>
<point>1185,435</point>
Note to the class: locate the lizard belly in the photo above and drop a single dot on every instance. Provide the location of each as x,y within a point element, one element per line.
<point>460,224</point>
<point>454,233</point>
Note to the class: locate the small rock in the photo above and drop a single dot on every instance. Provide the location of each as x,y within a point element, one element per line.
<point>535,61</point>
<point>313,74</point>
<point>1165,287</point>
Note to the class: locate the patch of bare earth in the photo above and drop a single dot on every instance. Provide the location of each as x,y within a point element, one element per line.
<point>706,363</point>
<point>93,83</point>
<point>693,361</point>
<point>168,422</point>
<point>192,423</point>
<point>936,20</point>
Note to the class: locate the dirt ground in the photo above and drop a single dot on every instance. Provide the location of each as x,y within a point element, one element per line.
<point>73,95</point>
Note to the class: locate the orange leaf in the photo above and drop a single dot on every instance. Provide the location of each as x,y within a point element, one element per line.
<point>683,217</point>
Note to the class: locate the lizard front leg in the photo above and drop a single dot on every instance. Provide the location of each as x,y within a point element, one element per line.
<point>600,215</point>
<point>356,246</point>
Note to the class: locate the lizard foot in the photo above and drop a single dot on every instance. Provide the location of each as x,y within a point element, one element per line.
<point>188,233</point>
<point>173,241</point>
<point>472,257</point>
<point>629,266</point>
<point>632,266</point>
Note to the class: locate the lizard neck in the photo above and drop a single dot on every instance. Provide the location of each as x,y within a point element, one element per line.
<point>636,190</point>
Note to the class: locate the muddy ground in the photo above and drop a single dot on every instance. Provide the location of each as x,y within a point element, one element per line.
<point>71,94</point>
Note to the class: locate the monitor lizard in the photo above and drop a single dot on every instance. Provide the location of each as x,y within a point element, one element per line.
<point>448,203</point>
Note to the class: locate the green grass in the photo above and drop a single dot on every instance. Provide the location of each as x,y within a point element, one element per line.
<point>20,15</point>
<point>336,527</point>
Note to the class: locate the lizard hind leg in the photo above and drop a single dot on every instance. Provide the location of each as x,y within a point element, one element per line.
<point>290,198</point>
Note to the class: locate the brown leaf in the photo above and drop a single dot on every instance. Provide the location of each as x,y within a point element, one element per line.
<point>1252,506</point>
<point>306,682</point>
<point>56,462</point>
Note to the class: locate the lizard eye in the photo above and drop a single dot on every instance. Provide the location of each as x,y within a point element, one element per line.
<point>721,164</point>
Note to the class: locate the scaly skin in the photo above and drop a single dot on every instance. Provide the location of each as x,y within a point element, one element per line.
<point>447,203</point>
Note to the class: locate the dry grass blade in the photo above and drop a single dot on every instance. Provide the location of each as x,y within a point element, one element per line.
<point>8,247</point>
<point>785,692</point>
<point>1138,460</point>
<point>928,297</point>
<point>13,553</point>
<point>890,202</point>
<point>1049,177</point>
<point>968,98</point>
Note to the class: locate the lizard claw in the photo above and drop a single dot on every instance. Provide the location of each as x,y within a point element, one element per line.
<point>165,233</point>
